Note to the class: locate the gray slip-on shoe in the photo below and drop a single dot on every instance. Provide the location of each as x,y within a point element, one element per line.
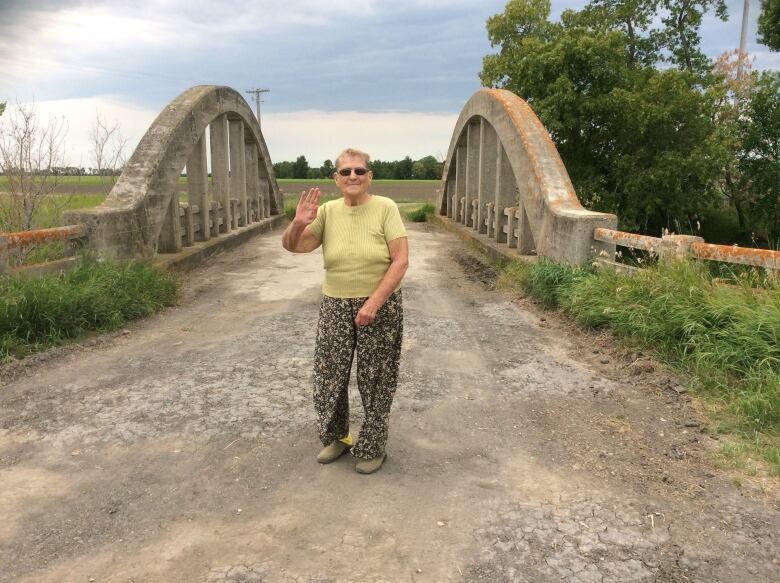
<point>332,452</point>
<point>369,466</point>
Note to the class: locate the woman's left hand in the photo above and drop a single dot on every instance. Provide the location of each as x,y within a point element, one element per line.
<point>367,313</point>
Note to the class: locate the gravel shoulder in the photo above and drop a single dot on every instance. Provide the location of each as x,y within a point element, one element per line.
<point>521,449</point>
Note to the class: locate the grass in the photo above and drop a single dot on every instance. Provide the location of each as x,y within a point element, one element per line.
<point>39,312</point>
<point>419,213</point>
<point>726,335</point>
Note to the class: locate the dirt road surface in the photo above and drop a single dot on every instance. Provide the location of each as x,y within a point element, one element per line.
<point>183,449</point>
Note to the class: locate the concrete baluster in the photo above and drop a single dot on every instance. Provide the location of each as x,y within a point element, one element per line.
<point>189,226</point>
<point>234,212</point>
<point>238,167</point>
<point>486,174</point>
<point>214,214</point>
<point>265,206</point>
<point>265,187</point>
<point>505,193</point>
<point>677,247</point>
<point>472,171</point>
<point>460,181</point>
<point>170,232</point>
<point>525,239</point>
<point>449,191</point>
<point>252,178</point>
<point>489,221</point>
<point>510,229</point>
<point>198,185</point>
<point>220,157</point>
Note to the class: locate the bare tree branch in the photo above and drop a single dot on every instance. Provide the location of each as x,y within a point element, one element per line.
<point>108,151</point>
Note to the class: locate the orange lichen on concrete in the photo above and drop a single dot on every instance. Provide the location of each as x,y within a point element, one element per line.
<point>523,115</point>
<point>765,258</point>
<point>627,239</point>
<point>23,239</point>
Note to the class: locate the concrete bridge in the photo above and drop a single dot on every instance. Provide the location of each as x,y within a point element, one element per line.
<point>182,448</point>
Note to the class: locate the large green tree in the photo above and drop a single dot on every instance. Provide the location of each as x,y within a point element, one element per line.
<point>637,140</point>
<point>769,24</point>
<point>759,156</point>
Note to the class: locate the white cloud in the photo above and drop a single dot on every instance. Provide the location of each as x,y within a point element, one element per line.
<point>80,116</point>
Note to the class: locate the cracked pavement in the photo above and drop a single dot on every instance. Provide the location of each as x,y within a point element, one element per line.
<point>520,448</point>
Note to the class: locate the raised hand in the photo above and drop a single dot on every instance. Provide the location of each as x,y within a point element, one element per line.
<point>306,211</point>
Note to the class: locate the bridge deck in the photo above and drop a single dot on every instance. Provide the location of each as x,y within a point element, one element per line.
<point>183,450</point>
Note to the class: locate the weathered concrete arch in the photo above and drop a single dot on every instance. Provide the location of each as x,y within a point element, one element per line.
<point>130,222</point>
<point>504,178</point>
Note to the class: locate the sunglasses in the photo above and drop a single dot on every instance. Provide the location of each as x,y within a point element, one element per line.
<point>359,171</point>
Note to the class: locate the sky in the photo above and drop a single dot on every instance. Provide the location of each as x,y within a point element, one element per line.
<point>388,77</point>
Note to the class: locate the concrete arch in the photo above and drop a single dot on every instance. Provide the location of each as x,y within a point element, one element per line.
<point>130,221</point>
<point>504,178</point>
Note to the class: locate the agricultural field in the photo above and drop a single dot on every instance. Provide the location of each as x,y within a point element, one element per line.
<point>398,190</point>
<point>76,192</point>
<point>402,191</point>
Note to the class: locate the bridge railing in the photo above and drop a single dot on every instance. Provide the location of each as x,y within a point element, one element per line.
<point>673,247</point>
<point>12,245</point>
<point>504,182</point>
<point>142,216</point>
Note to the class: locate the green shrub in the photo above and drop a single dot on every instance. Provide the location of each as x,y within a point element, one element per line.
<point>420,215</point>
<point>41,311</point>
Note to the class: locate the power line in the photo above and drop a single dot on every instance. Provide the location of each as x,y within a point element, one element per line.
<point>258,101</point>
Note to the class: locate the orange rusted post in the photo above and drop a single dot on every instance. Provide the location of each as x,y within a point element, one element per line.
<point>24,239</point>
<point>765,258</point>
<point>652,244</point>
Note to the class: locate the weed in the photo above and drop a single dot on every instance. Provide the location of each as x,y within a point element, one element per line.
<point>726,336</point>
<point>104,295</point>
<point>420,214</point>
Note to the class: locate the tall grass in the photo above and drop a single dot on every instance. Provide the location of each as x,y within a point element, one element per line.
<point>725,334</point>
<point>95,296</point>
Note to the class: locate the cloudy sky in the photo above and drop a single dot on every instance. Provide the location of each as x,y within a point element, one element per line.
<point>386,76</point>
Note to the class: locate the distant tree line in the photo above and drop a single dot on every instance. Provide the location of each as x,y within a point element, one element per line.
<point>427,168</point>
<point>67,171</point>
<point>647,125</point>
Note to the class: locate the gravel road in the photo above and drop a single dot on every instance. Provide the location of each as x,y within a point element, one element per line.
<point>183,448</point>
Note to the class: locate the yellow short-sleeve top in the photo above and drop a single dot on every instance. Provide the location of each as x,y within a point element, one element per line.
<point>354,244</point>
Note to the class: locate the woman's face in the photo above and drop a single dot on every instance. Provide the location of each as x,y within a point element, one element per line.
<point>353,185</point>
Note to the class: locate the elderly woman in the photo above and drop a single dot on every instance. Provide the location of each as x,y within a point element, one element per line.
<point>366,255</point>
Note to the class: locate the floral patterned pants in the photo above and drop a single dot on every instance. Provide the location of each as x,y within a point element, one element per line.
<point>378,357</point>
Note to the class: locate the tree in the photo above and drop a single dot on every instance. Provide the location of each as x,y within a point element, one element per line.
<point>681,36</point>
<point>300,168</point>
<point>769,24</point>
<point>327,169</point>
<point>427,168</point>
<point>29,152</point>
<point>108,151</point>
<point>636,140</point>
<point>283,169</point>
<point>759,157</point>
<point>403,169</point>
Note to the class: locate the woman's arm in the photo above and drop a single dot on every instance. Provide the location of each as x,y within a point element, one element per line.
<point>297,238</point>
<point>399,262</point>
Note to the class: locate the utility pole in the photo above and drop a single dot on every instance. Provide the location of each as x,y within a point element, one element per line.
<point>741,55</point>
<point>258,101</point>
<point>742,40</point>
